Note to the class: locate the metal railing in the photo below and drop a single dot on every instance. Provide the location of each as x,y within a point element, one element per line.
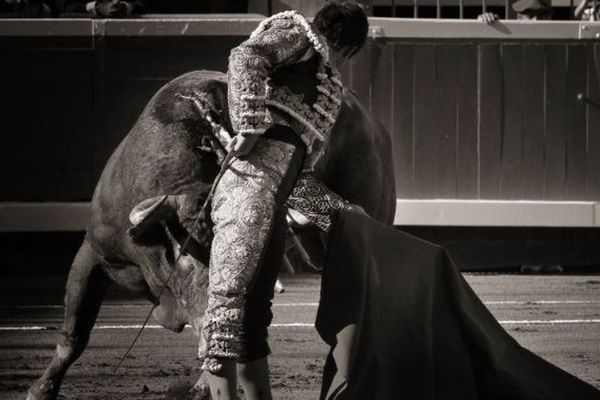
<point>392,7</point>
<point>467,9</point>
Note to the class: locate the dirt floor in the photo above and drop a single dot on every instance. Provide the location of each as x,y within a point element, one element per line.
<point>558,317</point>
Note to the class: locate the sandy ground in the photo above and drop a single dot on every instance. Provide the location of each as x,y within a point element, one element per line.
<point>558,317</point>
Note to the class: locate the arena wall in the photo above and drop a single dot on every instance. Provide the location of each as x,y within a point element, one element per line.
<point>492,126</point>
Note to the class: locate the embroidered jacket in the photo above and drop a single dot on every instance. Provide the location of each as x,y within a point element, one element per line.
<point>265,82</point>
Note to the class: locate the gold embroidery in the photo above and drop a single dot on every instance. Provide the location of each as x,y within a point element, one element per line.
<point>315,201</point>
<point>282,40</point>
<point>242,212</point>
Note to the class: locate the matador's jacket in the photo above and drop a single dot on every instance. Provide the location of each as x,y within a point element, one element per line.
<point>281,74</point>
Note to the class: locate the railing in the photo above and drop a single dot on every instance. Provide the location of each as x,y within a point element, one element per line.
<point>502,7</point>
<point>461,9</point>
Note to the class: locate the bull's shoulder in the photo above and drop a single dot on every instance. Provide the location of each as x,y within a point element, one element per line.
<point>171,131</point>
<point>177,100</point>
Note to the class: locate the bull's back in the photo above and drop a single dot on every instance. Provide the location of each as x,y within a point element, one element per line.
<point>358,162</point>
<point>161,154</point>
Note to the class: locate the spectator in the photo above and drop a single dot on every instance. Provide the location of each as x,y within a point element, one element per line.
<point>106,8</point>
<point>588,10</point>
<point>525,9</point>
<point>29,8</point>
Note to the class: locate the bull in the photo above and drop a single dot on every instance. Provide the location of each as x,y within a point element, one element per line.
<point>163,171</point>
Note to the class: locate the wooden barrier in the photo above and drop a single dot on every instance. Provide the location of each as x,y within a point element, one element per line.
<point>510,112</point>
<point>506,112</point>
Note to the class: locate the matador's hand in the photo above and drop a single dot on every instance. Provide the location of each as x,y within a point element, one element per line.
<point>241,145</point>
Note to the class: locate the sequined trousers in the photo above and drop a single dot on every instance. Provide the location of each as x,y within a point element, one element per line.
<point>248,212</point>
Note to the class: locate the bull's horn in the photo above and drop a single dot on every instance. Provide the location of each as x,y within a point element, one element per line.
<point>149,216</point>
<point>148,208</point>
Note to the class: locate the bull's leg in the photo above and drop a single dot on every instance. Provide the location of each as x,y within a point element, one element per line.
<point>85,289</point>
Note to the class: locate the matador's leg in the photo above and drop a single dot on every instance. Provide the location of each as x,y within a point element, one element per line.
<point>245,204</point>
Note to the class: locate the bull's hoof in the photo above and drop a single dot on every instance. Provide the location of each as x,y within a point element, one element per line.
<point>279,286</point>
<point>42,390</point>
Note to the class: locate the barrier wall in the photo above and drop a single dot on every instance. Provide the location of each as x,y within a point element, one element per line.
<point>506,112</point>
<point>73,88</point>
<point>502,117</point>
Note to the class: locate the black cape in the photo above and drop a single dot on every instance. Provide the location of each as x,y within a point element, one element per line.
<point>403,323</point>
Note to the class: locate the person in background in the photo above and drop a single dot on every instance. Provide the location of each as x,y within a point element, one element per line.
<point>588,10</point>
<point>29,8</point>
<point>106,8</point>
<point>525,9</point>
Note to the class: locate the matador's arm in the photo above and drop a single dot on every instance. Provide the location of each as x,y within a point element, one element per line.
<point>250,65</point>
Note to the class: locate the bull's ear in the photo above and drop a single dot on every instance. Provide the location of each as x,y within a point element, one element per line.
<point>148,217</point>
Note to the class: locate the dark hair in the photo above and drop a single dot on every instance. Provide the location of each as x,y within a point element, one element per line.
<point>343,23</point>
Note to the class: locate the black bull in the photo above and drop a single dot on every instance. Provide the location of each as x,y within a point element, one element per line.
<point>165,154</point>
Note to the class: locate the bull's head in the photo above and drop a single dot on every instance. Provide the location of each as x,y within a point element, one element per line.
<point>170,223</point>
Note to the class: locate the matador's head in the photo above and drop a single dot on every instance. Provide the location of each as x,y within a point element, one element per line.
<point>344,25</point>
